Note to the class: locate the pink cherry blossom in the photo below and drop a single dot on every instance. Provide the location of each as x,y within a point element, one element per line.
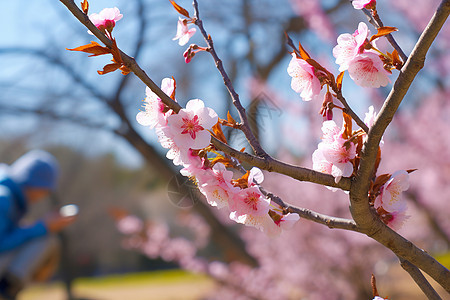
<point>217,188</point>
<point>255,177</point>
<point>154,114</point>
<point>249,201</point>
<point>284,222</point>
<point>390,198</point>
<point>189,128</point>
<point>367,70</point>
<point>360,4</point>
<point>350,45</point>
<point>334,153</point>
<point>106,19</point>
<point>304,81</point>
<point>183,32</point>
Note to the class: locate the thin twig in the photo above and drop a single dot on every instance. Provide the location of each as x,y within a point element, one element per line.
<point>419,279</point>
<point>358,194</point>
<point>375,20</point>
<point>330,222</point>
<point>257,149</point>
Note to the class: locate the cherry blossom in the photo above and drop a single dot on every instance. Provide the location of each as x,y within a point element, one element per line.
<point>183,32</point>
<point>350,46</point>
<point>276,223</point>
<point>106,19</point>
<point>360,4</point>
<point>217,188</point>
<point>304,81</point>
<point>155,113</point>
<point>390,198</point>
<point>367,70</point>
<point>334,153</point>
<point>189,128</point>
<point>248,201</point>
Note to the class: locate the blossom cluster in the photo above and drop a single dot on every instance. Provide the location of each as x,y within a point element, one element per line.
<point>334,153</point>
<point>187,136</point>
<point>355,54</point>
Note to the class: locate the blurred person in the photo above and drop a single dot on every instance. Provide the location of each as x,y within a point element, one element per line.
<point>28,252</point>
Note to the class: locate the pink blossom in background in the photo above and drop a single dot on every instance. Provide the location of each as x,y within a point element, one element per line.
<point>130,224</point>
<point>304,81</point>
<point>314,15</point>
<point>153,114</point>
<point>106,19</point>
<point>183,32</point>
<point>367,70</point>
<point>360,4</point>
<point>189,128</point>
<point>390,198</point>
<point>350,46</point>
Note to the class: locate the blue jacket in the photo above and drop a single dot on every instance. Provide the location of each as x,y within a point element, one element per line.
<point>13,207</point>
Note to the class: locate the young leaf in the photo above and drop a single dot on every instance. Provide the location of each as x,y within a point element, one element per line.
<point>303,52</point>
<point>382,31</point>
<point>347,125</point>
<point>339,80</point>
<point>94,48</point>
<point>218,133</point>
<point>85,6</point>
<point>179,9</point>
<point>109,68</point>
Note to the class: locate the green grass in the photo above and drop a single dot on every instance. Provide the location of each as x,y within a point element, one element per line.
<point>444,259</point>
<point>154,277</point>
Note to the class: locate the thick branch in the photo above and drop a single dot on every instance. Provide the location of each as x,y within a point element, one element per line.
<point>419,279</point>
<point>361,213</point>
<point>257,149</point>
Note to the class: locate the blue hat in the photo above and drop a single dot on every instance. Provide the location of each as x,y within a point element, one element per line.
<point>36,168</point>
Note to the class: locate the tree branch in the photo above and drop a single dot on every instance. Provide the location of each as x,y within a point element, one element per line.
<point>361,213</point>
<point>257,149</point>
<point>330,222</point>
<point>419,279</point>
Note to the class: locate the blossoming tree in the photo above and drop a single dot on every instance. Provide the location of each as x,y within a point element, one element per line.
<point>346,159</point>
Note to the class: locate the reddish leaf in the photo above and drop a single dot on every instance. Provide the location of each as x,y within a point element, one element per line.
<point>382,31</point>
<point>230,118</point>
<point>218,133</point>
<point>339,80</point>
<point>174,89</point>
<point>396,61</point>
<point>125,70</point>
<point>85,6</point>
<point>347,125</point>
<point>109,68</point>
<point>303,52</point>
<point>179,9</point>
<point>242,150</point>
<point>94,48</point>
